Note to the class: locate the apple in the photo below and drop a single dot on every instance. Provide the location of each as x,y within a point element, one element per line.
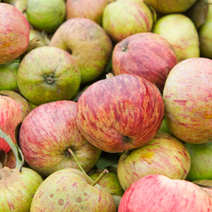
<point>181,33</point>
<point>47,134</point>
<point>14,33</point>
<point>92,9</point>
<point>120,113</point>
<point>46,15</point>
<point>122,18</point>
<point>188,100</point>
<point>10,118</point>
<point>20,100</point>
<point>17,188</point>
<point>8,76</point>
<point>205,34</point>
<point>145,54</point>
<point>54,75</point>
<point>158,193</point>
<point>173,6</point>
<point>164,155</point>
<point>71,190</point>
<point>88,44</point>
<point>200,161</point>
<point>109,182</point>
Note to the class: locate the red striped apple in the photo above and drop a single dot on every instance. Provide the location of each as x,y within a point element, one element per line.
<point>145,54</point>
<point>120,113</point>
<point>47,134</point>
<point>188,100</point>
<point>14,33</point>
<point>158,193</point>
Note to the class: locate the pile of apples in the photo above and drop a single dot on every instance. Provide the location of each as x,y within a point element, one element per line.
<point>106,105</point>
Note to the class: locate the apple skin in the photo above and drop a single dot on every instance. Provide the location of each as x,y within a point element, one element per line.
<point>164,155</point>
<point>109,182</point>
<point>137,15</point>
<point>45,15</point>
<point>46,134</point>
<point>205,33</point>
<point>71,190</point>
<point>145,54</point>
<point>158,193</point>
<point>187,98</point>
<point>181,33</point>
<point>8,76</point>
<point>17,188</point>
<point>167,6</point>
<point>120,113</point>
<point>92,9</point>
<point>10,118</point>
<point>54,75</point>
<point>200,161</point>
<point>20,100</point>
<point>14,33</point>
<point>88,44</point>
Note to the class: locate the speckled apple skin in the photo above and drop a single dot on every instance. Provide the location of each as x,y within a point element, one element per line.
<point>46,134</point>
<point>14,33</point>
<point>145,54</point>
<point>158,193</point>
<point>10,118</point>
<point>188,100</point>
<point>17,188</point>
<point>164,154</point>
<point>70,190</point>
<point>120,113</point>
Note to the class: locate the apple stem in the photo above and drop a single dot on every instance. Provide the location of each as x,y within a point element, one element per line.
<point>104,172</point>
<point>16,150</point>
<point>72,153</point>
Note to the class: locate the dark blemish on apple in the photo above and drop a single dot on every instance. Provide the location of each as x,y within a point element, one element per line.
<point>124,47</point>
<point>60,202</point>
<point>85,194</point>
<point>78,199</point>
<point>126,139</point>
<point>51,195</point>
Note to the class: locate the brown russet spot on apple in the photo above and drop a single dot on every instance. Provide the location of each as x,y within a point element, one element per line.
<point>51,195</point>
<point>78,199</point>
<point>85,194</point>
<point>60,202</point>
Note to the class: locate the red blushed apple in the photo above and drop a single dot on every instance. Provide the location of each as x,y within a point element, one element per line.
<point>14,33</point>
<point>158,193</point>
<point>145,54</point>
<point>120,113</point>
<point>92,9</point>
<point>47,134</point>
<point>187,96</point>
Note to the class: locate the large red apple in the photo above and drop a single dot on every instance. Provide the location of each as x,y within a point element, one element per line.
<point>145,54</point>
<point>158,193</point>
<point>14,33</point>
<point>188,100</point>
<point>88,44</point>
<point>120,113</point>
<point>46,135</point>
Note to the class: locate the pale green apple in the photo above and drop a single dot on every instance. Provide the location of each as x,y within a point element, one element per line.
<point>181,33</point>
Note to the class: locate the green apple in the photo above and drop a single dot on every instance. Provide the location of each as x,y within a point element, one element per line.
<point>201,160</point>
<point>205,34</point>
<point>181,33</point>
<point>122,18</point>
<point>48,74</point>
<point>46,15</point>
<point>71,190</point>
<point>170,6</point>
<point>8,76</point>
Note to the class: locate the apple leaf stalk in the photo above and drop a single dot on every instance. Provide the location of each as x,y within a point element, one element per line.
<point>16,150</point>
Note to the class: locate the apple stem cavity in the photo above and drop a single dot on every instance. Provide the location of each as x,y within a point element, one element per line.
<point>16,150</point>
<point>126,139</point>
